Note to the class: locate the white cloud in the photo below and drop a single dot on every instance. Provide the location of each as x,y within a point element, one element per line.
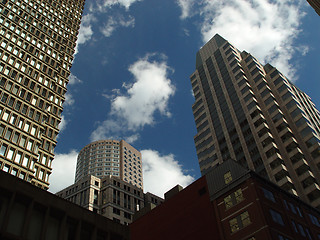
<point>63,172</point>
<point>131,139</point>
<point>69,100</point>
<point>62,125</point>
<point>111,3</point>
<point>113,23</point>
<point>73,79</point>
<point>85,31</point>
<point>264,28</point>
<point>147,95</point>
<point>186,7</point>
<point>162,172</point>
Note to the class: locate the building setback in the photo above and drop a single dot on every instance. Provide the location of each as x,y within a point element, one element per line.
<point>109,196</point>
<point>37,40</point>
<point>110,157</point>
<point>229,203</point>
<point>255,115</point>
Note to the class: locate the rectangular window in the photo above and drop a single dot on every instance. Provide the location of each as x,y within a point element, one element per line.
<point>269,195</point>
<point>245,219</point>
<point>227,177</point>
<point>234,225</point>
<point>276,217</point>
<point>228,201</point>
<point>238,195</point>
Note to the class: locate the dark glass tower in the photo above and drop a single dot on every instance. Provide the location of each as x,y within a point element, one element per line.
<point>255,115</point>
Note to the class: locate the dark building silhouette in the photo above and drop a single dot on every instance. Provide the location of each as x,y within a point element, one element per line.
<point>255,115</point>
<point>229,203</point>
<point>30,213</point>
<point>315,4</point>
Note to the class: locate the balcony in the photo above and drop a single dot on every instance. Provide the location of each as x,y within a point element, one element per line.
<point>311,188</point>
<point>284,181</point>
<point>306,175</point>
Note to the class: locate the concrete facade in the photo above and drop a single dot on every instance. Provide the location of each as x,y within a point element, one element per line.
<point>30,213</point>
<point>110,157</point>
<point>109,196</point>
<point>37,40</point>
<point>255,115</point>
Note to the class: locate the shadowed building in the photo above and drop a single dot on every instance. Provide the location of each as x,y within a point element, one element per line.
<point>228,203</point>
<point>37,40</point>
<point>315,4</point>
<point>255,115</point>
<point>30,213</point>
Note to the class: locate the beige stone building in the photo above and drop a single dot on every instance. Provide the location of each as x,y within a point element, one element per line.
<point>37,40</point>
<point>110,157</point>
<point>109,196</point>
<point>253,114</point>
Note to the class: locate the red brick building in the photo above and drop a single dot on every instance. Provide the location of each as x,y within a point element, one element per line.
<point>229,203</point>
<point>186,215</point>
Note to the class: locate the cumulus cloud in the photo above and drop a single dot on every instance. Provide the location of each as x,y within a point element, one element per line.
<point>113,23</point>
<point>162,172</point>
<point>62,125</point>
<point>265,28</point>
<point>147,95</point>
<point>63,173</point>
<point>69,100</point>
<point>73,79</point>
<point>85,31</point>
<point>110,3</point>
<point>186,6</point>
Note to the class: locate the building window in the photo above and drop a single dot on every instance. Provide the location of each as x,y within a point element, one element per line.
<point>116,211</point>
<point>227,177</point>
<point>228,201</point>
<point>269,195</point>
<point>233,198</point>
<point>238,195</point>
<point>234,225</point>
<point>280,237</point>
<point>314,220</point>
<point>276,217</point>
<point>239,222</point>
<point>245,219</point>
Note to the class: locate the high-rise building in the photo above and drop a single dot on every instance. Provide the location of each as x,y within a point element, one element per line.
<point>255,115</point>
<point>37,40</point>
<point>110,157</point>
<point>315,4</point>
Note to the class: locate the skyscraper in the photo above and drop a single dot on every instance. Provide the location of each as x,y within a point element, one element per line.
<point>255,115</point>
<point>315,4</point>
<point>37,40</point>
<point>110,157</point>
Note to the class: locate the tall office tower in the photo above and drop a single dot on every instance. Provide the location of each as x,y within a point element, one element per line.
<point>315,4</point>
<point>37,40</point>
<point>110,157</point>
<point>255,115</point>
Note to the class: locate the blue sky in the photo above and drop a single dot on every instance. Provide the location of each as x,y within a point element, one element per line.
<point>130,75</point>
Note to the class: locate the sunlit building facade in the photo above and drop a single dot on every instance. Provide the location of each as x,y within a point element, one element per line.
<point>255,115</point>
<point>110,158</point>
<point>37,40</point>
